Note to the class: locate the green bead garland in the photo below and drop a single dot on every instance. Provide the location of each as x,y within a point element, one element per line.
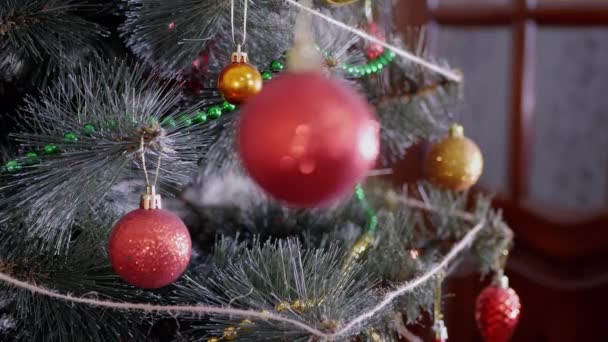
<point>266,75</point>
<point>199,117</point>
<point>214,112</point>
<point>185,120</point>
<point>372,218</point>
<point>50,149</point>
<point>276,66</point>
<point>32,157</point>
<point>89,128</point>
<point>374,66</point>
<point>70,137</point>
<point>12,166</point>
<point>228,107</point>
<point>112,124</point>
<point>169,122</point>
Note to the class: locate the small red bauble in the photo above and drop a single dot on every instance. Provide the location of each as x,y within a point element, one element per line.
<point>374,50</point>
<point>307,139</point>
<point>497,312</point>
<point>150,248</point>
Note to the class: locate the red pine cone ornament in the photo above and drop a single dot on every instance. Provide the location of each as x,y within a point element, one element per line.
<point>150,247</point>
<point>497,311</point>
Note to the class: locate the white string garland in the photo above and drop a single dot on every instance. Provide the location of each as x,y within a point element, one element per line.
<point>206,309</point>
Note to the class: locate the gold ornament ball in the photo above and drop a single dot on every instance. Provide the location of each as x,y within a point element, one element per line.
<point>455,162</point>
<point>238,82</point>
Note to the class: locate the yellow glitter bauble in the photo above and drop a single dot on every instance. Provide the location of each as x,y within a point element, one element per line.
<point>454,162</point>
<point>239,80</point>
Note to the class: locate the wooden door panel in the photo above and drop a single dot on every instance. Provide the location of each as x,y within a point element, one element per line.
<point>559,265</point>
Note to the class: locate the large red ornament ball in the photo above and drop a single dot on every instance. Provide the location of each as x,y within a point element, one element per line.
<point>307,139</point>
<point>497,313</point>
<point>150,248</point>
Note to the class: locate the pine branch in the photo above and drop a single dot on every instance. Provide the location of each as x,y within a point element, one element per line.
<point>84,271</point>
<point>412,105</point>
<point>33,31</point>
<point>279,277</point>
<point>284,277</point>
<point>170,35</point>
<point>290,283</point>
<point>83,135</point>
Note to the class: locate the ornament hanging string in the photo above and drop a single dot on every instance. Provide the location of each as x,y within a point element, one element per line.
<point>238,46</point>
<point>449,74</point>
<point>143,163</point>
<point>437,314</point>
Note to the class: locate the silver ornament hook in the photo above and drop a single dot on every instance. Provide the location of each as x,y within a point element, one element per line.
<point>149,200</point>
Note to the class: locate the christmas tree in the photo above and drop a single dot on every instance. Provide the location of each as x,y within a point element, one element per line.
<point>264,125</point>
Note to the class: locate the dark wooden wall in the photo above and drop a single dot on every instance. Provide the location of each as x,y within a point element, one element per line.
<point>559,265</point>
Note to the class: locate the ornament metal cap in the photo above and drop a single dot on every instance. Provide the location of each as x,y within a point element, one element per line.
<point>456,131</point>
<point>502,282</point>
<point>150,200</point>
<point>239,56</point>
<point>441,331</point>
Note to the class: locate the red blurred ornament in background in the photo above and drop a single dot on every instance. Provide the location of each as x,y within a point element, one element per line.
<point>374,50</point>
<point>307,139</point>
<point>196,76</point>
<point>150,247</point>
<point>497,311</point>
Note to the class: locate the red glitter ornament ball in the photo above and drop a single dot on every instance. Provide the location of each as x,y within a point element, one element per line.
<point>150,248</point>
<point>307,139</point>
<point>497,313</point>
